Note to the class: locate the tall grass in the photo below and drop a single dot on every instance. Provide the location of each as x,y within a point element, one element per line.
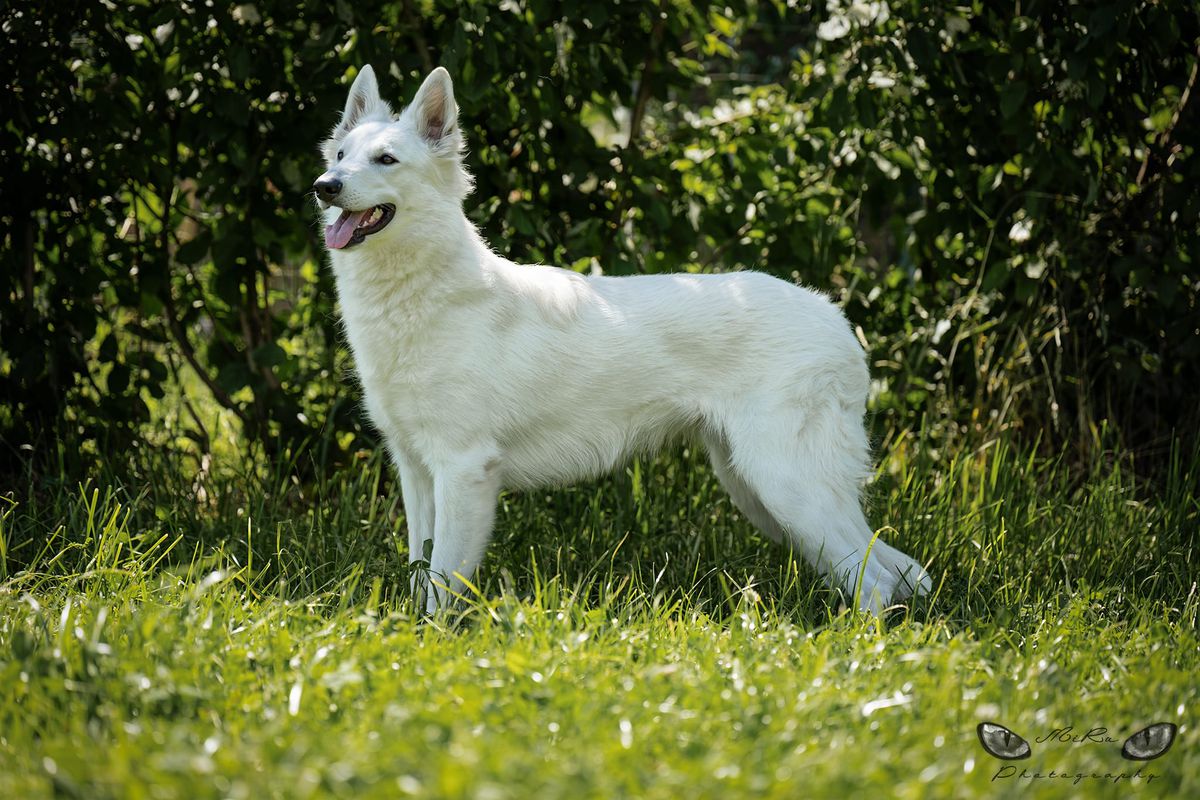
<point>999,528</point>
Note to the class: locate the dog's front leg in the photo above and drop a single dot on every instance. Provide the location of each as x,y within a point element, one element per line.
<point>464,500</point>
<point>416,487</point>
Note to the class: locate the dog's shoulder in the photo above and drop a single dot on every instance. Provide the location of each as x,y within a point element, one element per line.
<point>553,294</point>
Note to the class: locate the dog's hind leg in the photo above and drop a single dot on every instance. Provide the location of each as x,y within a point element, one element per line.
<point>806,467</point>
<point>739,491</point>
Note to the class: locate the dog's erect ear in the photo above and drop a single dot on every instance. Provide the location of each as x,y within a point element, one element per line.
<point>363,102</point>
<point>436,113</point>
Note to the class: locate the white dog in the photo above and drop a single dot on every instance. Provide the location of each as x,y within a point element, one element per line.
<point>483,374</point>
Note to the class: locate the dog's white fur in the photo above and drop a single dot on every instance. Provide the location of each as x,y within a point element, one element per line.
<point>483,374</point>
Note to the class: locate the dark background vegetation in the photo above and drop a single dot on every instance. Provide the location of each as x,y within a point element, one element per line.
<point>1003,195</point>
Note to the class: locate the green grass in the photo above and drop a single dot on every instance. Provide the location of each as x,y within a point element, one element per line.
<point>248,636</point>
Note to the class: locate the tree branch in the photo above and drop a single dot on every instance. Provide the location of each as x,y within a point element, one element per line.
<point>643,93</point>
<point>189,355</point>
<point>636,117</point>
<point>1165,137</point>
<point>418,36</point>
<point>174,326</point>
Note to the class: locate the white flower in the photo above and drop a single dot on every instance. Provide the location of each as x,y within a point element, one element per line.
<point>866,13</point>
<point>833,28</point>
<point>1020,231</point>
<point>247,14</point>
<point>957,25</point>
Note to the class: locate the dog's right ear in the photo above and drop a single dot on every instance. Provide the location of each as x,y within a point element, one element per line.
<point>363,102</point>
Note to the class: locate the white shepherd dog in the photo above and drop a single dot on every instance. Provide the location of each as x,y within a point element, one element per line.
<point>483,374</point>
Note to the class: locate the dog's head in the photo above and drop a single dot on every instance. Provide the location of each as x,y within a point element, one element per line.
<point>381,166</point>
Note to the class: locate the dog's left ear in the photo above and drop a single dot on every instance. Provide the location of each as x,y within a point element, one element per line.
<point>436,113</point>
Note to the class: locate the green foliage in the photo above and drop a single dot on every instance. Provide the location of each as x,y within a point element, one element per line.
<point>1005,202</point>
<point>1033,175</point>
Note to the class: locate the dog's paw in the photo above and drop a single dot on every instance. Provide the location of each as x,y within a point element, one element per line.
<point>891,577</point>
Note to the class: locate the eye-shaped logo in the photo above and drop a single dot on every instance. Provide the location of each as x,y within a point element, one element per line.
<point>1149,743</point>
<point>1000,742</point>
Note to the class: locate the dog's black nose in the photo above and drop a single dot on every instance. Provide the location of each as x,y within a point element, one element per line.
<point>327,188</point>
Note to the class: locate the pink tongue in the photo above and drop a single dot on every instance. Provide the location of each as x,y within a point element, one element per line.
<point>339,234</point>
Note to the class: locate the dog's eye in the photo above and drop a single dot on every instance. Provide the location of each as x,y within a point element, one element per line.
<point>340,154</point>
<point>1001,742</point>
<point>386,159</point>
<point>1150,742</point>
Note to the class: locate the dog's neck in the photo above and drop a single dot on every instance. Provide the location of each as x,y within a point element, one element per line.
<point>395,294</point>
<point>427,255</point>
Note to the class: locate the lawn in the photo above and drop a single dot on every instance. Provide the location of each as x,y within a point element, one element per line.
<point>248,635</point>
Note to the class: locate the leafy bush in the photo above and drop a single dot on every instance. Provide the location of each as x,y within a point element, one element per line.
<point>1006,203</point>
<point>1033,176</point>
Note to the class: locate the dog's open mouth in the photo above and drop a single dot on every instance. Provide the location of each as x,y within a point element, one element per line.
<point>353,227</point>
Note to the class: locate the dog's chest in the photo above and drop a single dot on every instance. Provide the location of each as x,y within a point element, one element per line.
<point>416,381</point>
